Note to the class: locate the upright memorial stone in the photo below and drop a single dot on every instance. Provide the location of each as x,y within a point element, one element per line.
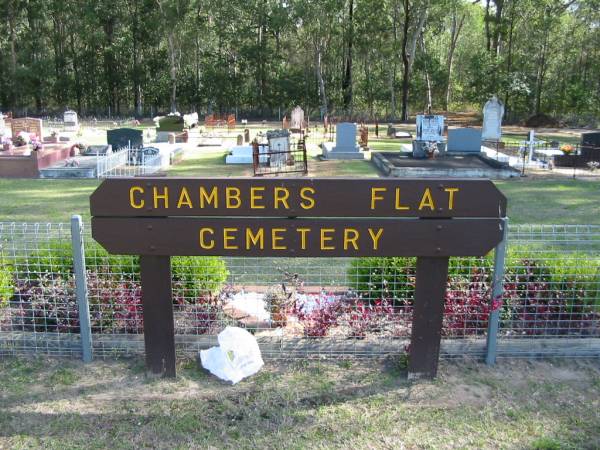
<point>430,128</point>
<point>124,137</point>
<point>2,125</point>
<point>345,143</point>
<point>493,111</point>
<point>297,122</point>
<point>71,121</point>
<point>28,125</point>
<point>464,140</point>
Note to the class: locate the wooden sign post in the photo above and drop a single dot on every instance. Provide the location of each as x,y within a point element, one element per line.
<point>431,219</point>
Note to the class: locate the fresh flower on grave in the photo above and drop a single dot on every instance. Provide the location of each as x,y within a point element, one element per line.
<point>36,145</point>
<point>593,165</point>
<point>20,140</point>
<point>567,149</point>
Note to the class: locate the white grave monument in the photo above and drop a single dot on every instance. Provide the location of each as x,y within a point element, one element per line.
<point>279,147</point>
<point>2,131</point>
<point>297,122</point>
<point>345,143</point>
<point>242,154</point>
<point>71,121</point>
<point>430,128</point>
<point>493,110</point>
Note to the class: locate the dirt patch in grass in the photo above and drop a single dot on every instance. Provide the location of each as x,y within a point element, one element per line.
<point>50,403</point>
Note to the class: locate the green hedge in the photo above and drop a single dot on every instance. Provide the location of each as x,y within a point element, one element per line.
<point>394,277</point>
<point>202,274</point>
<point>7,285</point>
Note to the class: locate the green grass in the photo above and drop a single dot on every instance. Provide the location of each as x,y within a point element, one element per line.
<point>556,201</point>
<point>552,201</point>
<point>297,405</point>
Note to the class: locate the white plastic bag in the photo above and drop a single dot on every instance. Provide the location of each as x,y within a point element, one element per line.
<point>236,358</point>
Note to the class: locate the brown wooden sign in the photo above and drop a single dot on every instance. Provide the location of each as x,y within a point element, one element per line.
<point>300,197</point>
<point>186,236</point>
<point>432,219</point>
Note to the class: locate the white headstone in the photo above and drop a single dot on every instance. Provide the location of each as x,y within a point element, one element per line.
<point>297,118</point>
<point>345,143</point>
<point>493,111</point>
<point>71,121</point>
<point>2,132</point>
<point>430,128</point>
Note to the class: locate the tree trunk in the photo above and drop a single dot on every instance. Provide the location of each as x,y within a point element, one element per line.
<point>405,62</point>
<point>321,81</point>
<point>347,81</point>
<point>454,34</point>
<point>173,71</point>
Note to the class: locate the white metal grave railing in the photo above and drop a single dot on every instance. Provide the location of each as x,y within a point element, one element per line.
<point>127,162</point>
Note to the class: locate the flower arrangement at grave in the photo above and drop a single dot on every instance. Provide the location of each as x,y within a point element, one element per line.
<point>593,165</point>
<point>20,140</point>
<point>36,145</point>
<point>430,149</point>
<point>567,149</point>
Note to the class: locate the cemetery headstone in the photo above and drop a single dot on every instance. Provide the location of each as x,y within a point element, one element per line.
<point>71,121</point>
<point>285,123</point>
<point>590,146</point>
<point>279,146</point>
<point>240,140</point>
<point>430,128</point>
<point>246,135</point>
<point>124,137</point>
<point>345,143</point>
<point>168,125</point>
<point>2,125</point>
<point>464,140</point>
<point>28,125</point>
<point>493,111</point>
<point>297,122</point>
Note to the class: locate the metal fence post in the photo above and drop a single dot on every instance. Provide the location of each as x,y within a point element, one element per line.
<point>85,330</point>
<point>496,300</point>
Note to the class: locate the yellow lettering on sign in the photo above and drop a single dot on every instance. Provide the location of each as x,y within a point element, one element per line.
<point>427,200</point>
<point>206,198</point>
<point>255,239</point>
<point>400,207</point>
<point>203,243</point>
<point>232,193</point>
<point>375,237</point>
<point>184,198</point>
<point>451,192</point>
<point>281,195</point>
<point>350,237</point>
<point>310,202</point>
<point>375,197</point>
<point>303,232</point>
<point>164,197</point>
<point>275,238</point>
<point>325,239</point>
<point>132,202</point>
<point>254,196</point>
<point>227,238</point>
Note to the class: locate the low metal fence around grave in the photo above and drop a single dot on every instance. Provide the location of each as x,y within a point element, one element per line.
<point>299,307</point>
<point>128,162</point>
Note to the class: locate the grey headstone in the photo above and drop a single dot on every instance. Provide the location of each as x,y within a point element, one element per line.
<point>464,140</point>
<point>122,137</point>
<point>591,139</point>
<point>345,138</point>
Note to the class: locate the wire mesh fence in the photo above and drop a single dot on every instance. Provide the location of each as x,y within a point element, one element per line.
<point>303,307</point>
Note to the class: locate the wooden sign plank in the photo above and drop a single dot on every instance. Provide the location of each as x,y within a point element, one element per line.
<point>188,236</point>
<point>334,197</point>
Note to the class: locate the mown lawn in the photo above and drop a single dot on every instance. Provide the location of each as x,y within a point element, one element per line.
<point>57,404</point>
<point>530,200</point>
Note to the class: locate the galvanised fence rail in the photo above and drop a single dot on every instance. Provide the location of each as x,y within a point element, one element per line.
<point>61,294</point>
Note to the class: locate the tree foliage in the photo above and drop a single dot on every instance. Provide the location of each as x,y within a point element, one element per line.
<point>381,58</point>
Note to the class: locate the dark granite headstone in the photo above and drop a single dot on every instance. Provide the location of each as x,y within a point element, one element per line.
<point>123,137</point>
<point>590,146</point>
